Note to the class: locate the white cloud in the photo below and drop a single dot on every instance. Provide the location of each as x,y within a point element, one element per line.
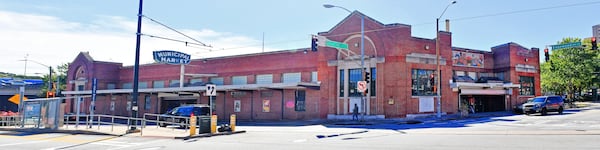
<point>53,41</point>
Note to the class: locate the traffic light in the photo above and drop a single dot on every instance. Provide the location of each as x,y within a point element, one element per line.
<point>314,43</point>
<point>367,77</point>
<point>594,46</point>
<point>547,54</point>
<point>49,94</point>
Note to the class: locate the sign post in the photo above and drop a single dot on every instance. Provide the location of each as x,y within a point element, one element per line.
<point>93,104</point>
<point>173,58</point>
<point>21,110</point>
<point>211,90</point>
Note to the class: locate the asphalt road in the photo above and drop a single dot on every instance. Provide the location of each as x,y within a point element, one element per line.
<point>576,129</point>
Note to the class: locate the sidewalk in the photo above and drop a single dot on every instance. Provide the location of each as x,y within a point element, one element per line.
<point>171,132</point>
<point>119,130</point>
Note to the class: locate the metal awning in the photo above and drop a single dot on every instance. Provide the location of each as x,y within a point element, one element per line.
<point>483,92</point>
<point>200,89</point>
<point>469,85</point>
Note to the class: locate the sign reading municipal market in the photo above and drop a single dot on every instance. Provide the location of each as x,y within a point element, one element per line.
<point>171,57</point>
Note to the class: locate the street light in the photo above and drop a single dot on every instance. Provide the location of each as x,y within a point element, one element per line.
<point>437,61</point>
<point>49,68</point>
<point>362,47</point>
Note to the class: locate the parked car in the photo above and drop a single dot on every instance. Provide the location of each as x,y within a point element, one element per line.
<point>182,113</point>
<point>544,104</point>
<point>518,109</point>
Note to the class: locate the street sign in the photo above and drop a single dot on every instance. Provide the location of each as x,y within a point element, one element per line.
<point>334,44</point>
<point>362,86</point>
<point>567,45</point>
<point>211,90</point>
<point>15,98</point>
<point>171,57</point>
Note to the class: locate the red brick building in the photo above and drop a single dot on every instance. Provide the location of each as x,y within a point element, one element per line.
<point>301,84</point>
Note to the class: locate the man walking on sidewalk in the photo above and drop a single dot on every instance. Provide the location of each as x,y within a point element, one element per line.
<point>355,112</point>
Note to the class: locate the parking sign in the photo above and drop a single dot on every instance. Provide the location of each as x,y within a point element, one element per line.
<point>211,90</point>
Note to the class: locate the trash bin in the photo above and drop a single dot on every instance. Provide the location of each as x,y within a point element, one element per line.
<point>204,124</point>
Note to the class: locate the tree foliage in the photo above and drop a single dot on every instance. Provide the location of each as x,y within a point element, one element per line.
<point>570,70</point>
<point>60,72</point>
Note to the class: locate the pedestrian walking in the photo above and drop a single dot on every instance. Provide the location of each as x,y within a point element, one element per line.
<point>355,112</point>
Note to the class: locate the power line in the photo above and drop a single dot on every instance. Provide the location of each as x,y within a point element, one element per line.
<point>201,44</point>
<point>526,10</point>
<point>420,24</point>
<point>175,40</point>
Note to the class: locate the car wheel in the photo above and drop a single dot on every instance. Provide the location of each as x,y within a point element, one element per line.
<point>162,125</point>
<point>560,110</point>
<point>544,111</point>
<point>527,113</point>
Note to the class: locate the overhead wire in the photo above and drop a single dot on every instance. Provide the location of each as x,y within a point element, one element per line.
<point>200,43</point>
<point>418,24</point>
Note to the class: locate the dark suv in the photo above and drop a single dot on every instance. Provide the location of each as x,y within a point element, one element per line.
<point>175,115</point>
<point>544,104</point>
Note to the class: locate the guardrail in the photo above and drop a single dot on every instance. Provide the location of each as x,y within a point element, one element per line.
<point>156,118</point>
<point>100,119</point>
<point>13,120</point>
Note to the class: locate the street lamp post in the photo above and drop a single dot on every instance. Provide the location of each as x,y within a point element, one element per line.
<point>22,90</point>
<point>49,74</point>
<point>437,61</point>
<point>362,49</point>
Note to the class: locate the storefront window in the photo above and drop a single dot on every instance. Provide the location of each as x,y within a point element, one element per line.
<point>341,83</point>
<point>527,87</point>
<point>111,86</point>
<point>355,76</point>
<point>300,101</point>
<point>373,83</point>
<point>147,102</point>
<point>127,86</point>
<point>422,82</point>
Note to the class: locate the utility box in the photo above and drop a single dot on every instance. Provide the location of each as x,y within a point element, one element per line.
<point>204,124</point>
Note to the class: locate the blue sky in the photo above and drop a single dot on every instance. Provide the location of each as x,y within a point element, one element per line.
<point>52,32</point>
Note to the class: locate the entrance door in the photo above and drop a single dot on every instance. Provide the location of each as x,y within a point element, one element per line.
<point>357,101</point>
<point>489,103</point>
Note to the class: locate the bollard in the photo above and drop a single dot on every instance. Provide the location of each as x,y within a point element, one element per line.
<point>232,122</point>
<point>192,124</point>
<point>213,124</point>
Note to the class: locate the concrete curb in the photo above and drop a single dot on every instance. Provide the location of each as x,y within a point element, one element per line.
<point>38,131</point>
<point>209,135</point>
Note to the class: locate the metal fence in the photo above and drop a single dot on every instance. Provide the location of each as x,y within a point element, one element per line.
<point>98,120</point>
<point>12,120</point>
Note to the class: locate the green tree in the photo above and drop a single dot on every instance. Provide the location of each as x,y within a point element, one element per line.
<point>570,70</point>
<point>60,72</point>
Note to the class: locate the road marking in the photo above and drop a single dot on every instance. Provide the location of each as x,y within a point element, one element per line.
<point>11,144</point>
<point>299,141</point>
<point>122,145</point>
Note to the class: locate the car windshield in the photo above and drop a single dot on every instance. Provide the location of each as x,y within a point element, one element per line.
<point>185,110</point>
<point>539,99</point>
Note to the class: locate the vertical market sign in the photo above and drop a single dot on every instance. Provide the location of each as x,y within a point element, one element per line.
<point>171,57</point>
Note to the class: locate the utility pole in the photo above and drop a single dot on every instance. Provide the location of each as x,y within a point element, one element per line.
<point>136,70</point>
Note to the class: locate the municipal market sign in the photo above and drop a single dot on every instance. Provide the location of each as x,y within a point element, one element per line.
<point>171,57</point>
